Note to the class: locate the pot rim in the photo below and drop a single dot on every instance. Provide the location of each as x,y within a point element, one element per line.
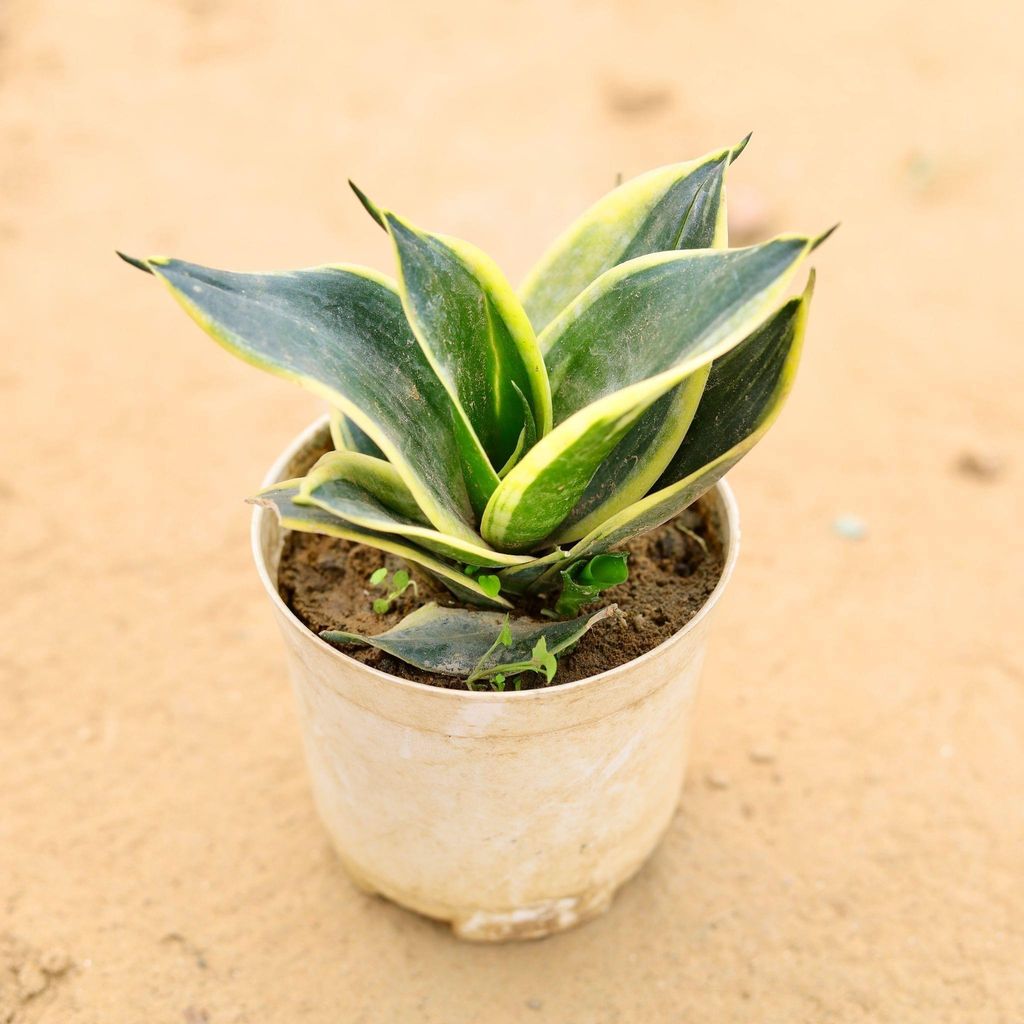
<point>276,473</point>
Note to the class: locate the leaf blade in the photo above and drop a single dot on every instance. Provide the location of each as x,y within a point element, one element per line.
<point>643,215</point>
<point>660,305</point>
<point>341,333</point>
<point>636,462</point>
<point>722,433</point>
<point>310,519</point>
<point>363,492</point>
<point>474,333</point>
<point>451,641</point>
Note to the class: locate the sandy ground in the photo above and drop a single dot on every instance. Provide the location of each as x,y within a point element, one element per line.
<point>850,845</point>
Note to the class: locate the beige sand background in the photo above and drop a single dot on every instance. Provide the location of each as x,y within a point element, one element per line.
<point>850,845</point>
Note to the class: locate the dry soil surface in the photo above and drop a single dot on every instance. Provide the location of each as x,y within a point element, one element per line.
<point>850,843</point>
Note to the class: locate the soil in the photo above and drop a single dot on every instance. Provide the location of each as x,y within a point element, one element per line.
<point>672,572</point>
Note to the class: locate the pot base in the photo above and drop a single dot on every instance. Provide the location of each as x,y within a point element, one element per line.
<point>534,921</point>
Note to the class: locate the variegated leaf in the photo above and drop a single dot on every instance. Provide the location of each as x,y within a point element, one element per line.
<point>637,461</point>
<point>475,334</point>
<point>341,333</point>
<point>672,207</point>
<point>637,332</point>
<point>348,437</point>
<point>452,641</point>
<point>311,519</point>
<point>369,493</point>
<point>743,396</point>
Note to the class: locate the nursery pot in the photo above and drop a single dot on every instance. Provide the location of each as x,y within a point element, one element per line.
<point>510,815</point>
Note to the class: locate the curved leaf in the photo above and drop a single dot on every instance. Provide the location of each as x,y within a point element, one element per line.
<point>637,461</point>
<point>369,493</point>
<point>379,481</point>
<point>743,396</point>
<point>636,333</point>
<point>451,641</point>
<point>655,212</point>
<point>310,519</point>
<point>348,437</point>
<point>341,333</point>
<point>475,334</point>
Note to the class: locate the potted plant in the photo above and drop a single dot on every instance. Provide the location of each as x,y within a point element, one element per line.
<point>495,738</point>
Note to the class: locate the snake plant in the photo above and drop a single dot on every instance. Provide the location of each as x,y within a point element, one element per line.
<point>486,433</point>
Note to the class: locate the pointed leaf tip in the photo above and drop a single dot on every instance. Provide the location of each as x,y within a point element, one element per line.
<point>815,242</point>
<point>739,147</point>
<point>368,205</point>
<point>133,262</point>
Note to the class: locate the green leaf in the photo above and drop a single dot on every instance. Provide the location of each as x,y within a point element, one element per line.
<point>637,461</point>
<point>451,641</point>
<point>368,493</point>
<point>347,437</point>
<point>527,436</point>
<point>584,581</point>
<point>474,333</point>
<point>341,333</point>
<point>743,397</point>
<point>633,335</point>
<point>673,207</point>
<point>376,479</point>
<point>381,605</point>
<point>378,576</point>
<point>400,580</point>
<point>309,519</point>
<point>490,585</point>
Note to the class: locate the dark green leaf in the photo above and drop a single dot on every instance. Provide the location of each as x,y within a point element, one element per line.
<point>743,396</point>
<point>673,207</point>
<point>310,519</point>
<point>451,641</point>
<point>635,334</point>
<point>341,332</point>
<point>475,334</point>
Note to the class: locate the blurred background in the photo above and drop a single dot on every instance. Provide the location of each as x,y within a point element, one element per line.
<point>850,845</point>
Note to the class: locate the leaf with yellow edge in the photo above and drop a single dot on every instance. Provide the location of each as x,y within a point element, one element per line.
<point>664,209</point>
<point>341,333</point>
<point>475,334</point>
<point>452,641</point>
<point>742,398</point>
<point>637,332</point>
<point>310,519</point>
<point>369,493</point>
<point>637,461</point>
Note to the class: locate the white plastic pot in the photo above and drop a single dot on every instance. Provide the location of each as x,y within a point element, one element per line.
<point>509,815</point>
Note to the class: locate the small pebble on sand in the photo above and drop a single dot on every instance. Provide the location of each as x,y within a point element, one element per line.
<point>717,780</point>
<point>850,527</point>
<point>762,755</point>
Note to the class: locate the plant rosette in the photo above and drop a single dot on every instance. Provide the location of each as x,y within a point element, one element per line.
<point>507,446</point>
